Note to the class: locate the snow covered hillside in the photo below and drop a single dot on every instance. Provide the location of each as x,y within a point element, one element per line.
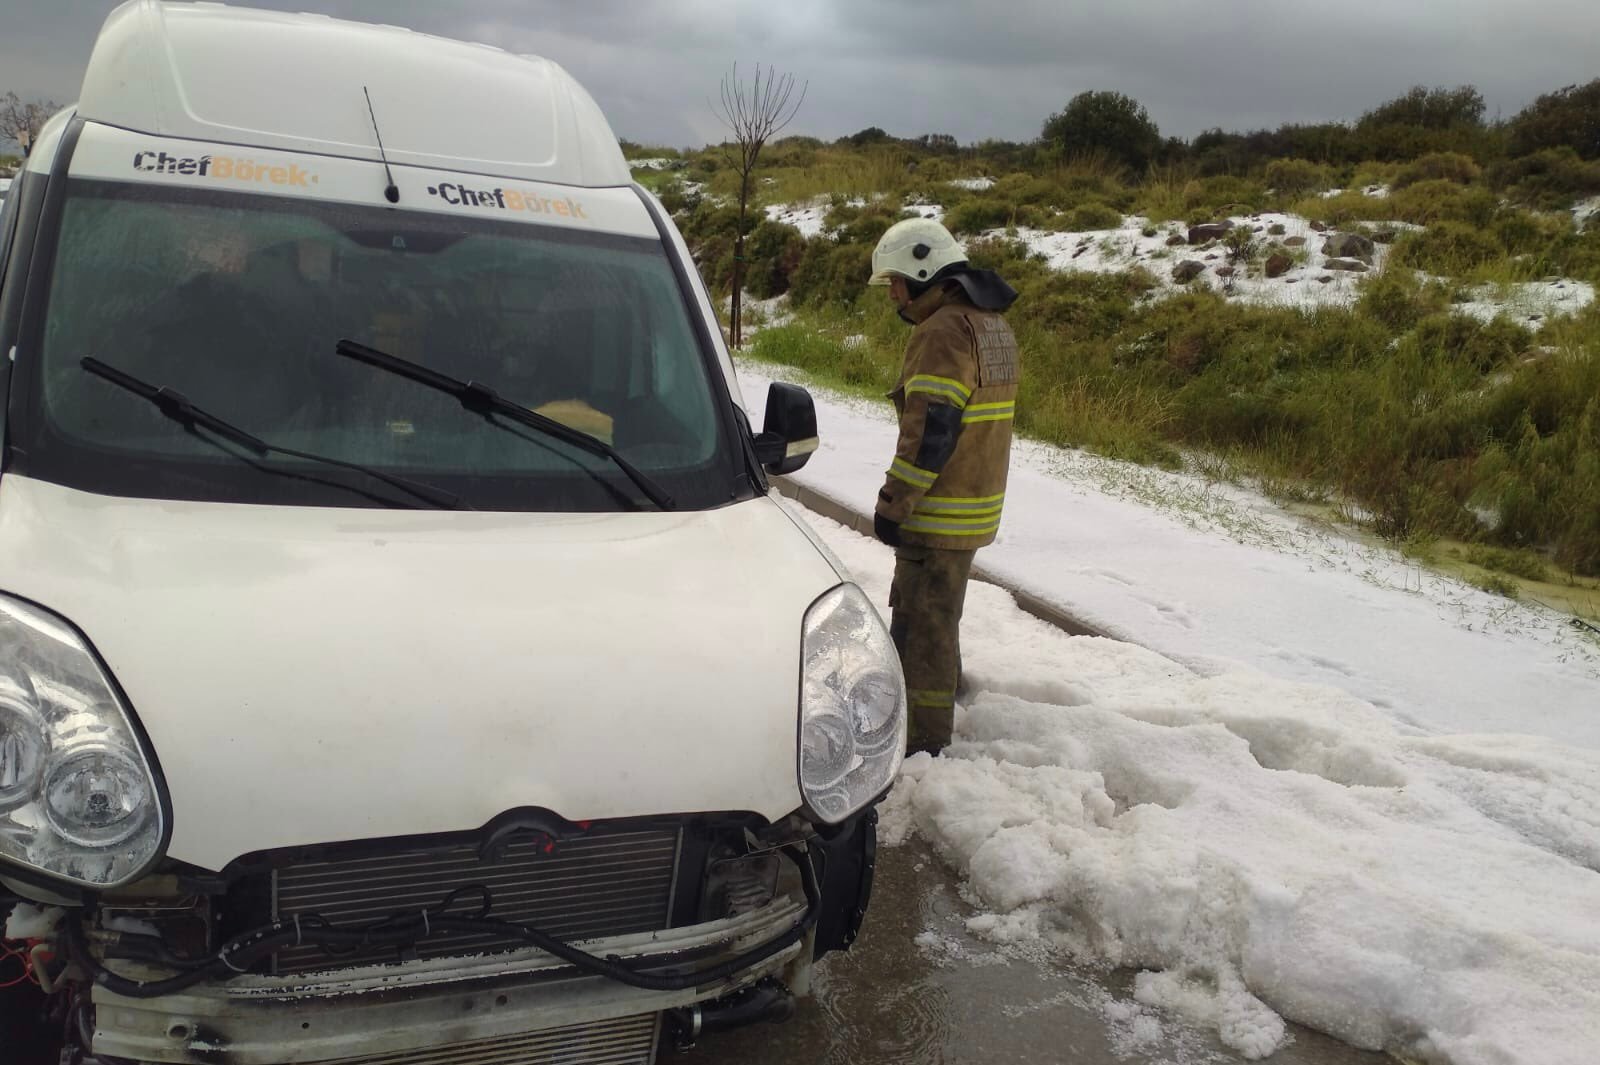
<point>1306,265</point>
<point>1262,848</point>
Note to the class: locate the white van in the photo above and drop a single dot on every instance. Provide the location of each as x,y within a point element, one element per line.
<point>402,658</point>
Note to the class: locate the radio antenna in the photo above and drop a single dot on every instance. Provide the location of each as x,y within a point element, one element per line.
<point>392,191</point>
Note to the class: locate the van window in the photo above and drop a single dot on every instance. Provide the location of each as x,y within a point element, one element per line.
<point>238,301</point>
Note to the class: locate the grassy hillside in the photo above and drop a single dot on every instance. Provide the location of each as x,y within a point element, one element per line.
<point>1394,406</point>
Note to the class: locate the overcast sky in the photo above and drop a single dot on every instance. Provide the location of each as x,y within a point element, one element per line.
<point>995,68</point>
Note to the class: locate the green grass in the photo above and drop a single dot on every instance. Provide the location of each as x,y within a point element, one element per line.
<point>1517,563</point>
<point>1419,418</point>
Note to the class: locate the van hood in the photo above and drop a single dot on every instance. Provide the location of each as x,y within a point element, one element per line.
<point>311,675</point>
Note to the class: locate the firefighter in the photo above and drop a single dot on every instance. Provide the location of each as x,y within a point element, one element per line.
<point>945,488</point>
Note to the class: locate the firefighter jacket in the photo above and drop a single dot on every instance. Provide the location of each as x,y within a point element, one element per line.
<point>956,398</point>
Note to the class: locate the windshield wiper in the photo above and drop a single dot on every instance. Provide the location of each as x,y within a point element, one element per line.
<point>177,406</point>
<point>483,400</point>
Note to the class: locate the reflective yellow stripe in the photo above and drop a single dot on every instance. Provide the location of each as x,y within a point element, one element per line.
<point>960,505</point>
<point>940,386</point>
<point>915,476</point>
<point>989,412</point>
<point>952,526</point>
<point>937,700</point>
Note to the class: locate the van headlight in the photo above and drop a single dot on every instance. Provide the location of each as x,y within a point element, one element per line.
<point>78,798</point>
<point>852,705</point>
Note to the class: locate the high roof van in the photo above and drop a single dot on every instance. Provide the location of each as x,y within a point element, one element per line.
<point>402,655</point>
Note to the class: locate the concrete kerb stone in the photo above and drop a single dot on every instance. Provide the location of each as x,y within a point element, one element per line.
<point>836,510</point>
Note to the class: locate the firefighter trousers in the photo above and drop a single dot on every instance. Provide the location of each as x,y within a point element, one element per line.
<point>926,600</point>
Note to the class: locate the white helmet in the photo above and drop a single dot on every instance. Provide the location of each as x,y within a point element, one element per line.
<point>914,249</point>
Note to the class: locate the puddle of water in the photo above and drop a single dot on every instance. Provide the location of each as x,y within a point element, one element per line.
<point>918,988</point>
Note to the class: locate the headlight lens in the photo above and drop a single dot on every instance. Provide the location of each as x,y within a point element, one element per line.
<point>852,705</point>
<point>78,798</point>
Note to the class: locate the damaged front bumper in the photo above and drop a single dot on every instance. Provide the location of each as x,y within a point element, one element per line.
<point>385,1009</point>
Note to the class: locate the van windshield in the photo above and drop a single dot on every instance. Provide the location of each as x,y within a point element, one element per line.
<point>238,301</point>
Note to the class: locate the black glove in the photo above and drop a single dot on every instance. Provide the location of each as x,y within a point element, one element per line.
<point>886,530</point>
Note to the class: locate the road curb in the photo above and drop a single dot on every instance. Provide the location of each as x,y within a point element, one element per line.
<point>834,509</point>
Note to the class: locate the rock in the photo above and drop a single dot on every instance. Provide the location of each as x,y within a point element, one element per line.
<point>1324,279</point>
<point>1176,239</point>
<point>1385,236</point>
<point>1257,229</point>
<point>1211,258</point>
<point>1209,231</point>
<point>1295,242</point>
<point>1291,281</point>
<point>1277,229</point>
<point>1354,266</point>
<point>1278,265</point>
<point>1079,252</point>
<point>1224,271</point>
<point>1187,271</point>
<point>1349,246</point>
<point>1320,227</point>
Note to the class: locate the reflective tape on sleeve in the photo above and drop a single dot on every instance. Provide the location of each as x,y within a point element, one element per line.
<point>946,387</point>
<point>915,476</point>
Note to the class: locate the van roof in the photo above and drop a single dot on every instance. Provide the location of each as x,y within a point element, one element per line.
<point>209,72</point>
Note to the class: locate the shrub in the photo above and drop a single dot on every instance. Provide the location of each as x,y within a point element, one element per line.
<point>855,223</point>
<point>1447,248</point>
<point>1425,108</point>
<point>1524,564</point>
<point>1567,118</point>
<point>1023,188</point>
<point>1108,122</point>
<point>1522,233</point>
<point>1428,202</point>
<point>1439,166</point>
<point>1093,215</point>
<point>980,214</point>
<point>831,274</point>
<point>772,253</point>
<point>1463,340</point>
<point>1398,299</point>
<point>1550,179</point>
<point>1296,176</point>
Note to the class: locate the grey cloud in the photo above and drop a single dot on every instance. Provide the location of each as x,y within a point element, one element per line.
<point>992,69</point>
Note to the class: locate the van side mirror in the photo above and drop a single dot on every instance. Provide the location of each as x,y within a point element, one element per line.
<point>789,432</point>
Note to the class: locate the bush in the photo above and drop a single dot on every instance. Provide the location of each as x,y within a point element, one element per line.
<point>1463,340</point>
<point>1106,122</point>
<point>980,214</point>
<point>1524,564</point>
<point>1428,202</point>
<point>1567,118</point>
<point>855,223</point>
<point>1550,179</point>
<point>1448,248</point>
<point>1298,176</point>
<point>1398,299</point>
<point>1522,233</point>
<point>1023,188</point>
<point>831,274</point>
<point>1439,166</point>
<point>1093,215</point>
<point>772,253</point>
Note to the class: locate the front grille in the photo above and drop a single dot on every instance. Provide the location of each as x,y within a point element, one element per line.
<point>600,884</point>
<point>629,1041</point>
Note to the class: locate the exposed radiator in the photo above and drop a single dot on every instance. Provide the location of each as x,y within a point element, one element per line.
<point>601,884</point>
<point>629,1041</point>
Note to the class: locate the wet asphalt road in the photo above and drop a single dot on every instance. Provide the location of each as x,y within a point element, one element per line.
<point>891,1001</point>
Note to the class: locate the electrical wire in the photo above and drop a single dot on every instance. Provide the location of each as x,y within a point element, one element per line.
<point>240,953</point>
